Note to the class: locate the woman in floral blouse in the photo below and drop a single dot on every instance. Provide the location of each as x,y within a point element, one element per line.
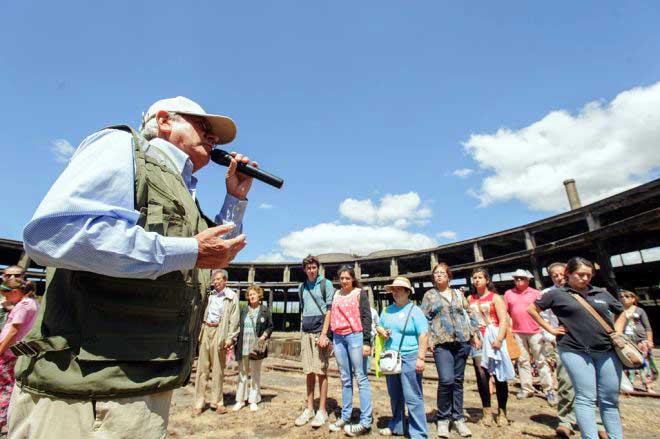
<point>452,329</point>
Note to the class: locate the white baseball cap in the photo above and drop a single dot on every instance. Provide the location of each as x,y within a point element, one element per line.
<point>221,126</point>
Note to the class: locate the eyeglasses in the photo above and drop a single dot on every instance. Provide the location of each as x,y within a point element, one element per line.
<point>201,123</point>
<point>10,275</point>
<point>440,273</point>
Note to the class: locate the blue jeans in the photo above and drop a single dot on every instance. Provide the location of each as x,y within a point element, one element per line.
<point>348,353</point>
<point>450,360</point>
<point>595,376</point>
<point>406,389</point>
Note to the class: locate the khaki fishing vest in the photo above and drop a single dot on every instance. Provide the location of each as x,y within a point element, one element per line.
<point>104,337</point>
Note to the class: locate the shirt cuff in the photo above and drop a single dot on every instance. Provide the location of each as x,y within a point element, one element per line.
<point>232,212</point>
<point>180,253</point>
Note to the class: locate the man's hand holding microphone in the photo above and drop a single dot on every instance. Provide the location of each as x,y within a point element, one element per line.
<point>212,250</point>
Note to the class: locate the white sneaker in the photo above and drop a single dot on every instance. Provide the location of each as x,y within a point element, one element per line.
<point>462,428</point>
<point>304,417</point>
<point>443,428</point>
<point>356,430</point>
<point>254,407</point>
<point>320,418</point>
<point>238,406</point>
<point>337,425</point>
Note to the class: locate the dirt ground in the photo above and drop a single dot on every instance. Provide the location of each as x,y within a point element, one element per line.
<point>284,394</point>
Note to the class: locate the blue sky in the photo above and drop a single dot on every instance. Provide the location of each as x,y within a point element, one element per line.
<point>394,125</point>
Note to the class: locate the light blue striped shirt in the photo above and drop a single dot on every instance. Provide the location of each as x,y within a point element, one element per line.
<point>88,222</point>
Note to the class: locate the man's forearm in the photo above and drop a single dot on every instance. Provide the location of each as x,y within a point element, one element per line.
<point>326,324</point>
<point>107,245</point>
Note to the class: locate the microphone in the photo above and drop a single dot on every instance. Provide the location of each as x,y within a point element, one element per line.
<point>223,158</point>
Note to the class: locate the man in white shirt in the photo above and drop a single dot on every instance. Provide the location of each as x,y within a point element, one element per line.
<point>219,332</point>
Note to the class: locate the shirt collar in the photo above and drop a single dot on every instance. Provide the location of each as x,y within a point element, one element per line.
<point>227,292</point>
<point>181,160</point>
<point>315,283</point>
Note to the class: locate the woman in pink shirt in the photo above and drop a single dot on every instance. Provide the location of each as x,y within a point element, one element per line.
<point>350,321</point>
<point>19,322</point>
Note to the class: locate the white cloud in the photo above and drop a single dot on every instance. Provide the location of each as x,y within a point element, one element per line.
<point>62,150</point>
<point>462,173</point>
<point>271,257</point>
<point>266,206</point>
<point>606,148</point>
<point>351,238</point>
<point>447,234</point>
<point>358,210</point>
<point>399,210</point>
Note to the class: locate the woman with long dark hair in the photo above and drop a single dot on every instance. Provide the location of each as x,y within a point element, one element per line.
<point>350,321</point>
<point>585,349</point>
<point>492,359</point>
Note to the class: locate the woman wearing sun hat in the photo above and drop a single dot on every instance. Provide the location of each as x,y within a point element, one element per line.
<point>405,388</point>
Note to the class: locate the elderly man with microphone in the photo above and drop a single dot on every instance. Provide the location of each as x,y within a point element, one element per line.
<point>126,245</point>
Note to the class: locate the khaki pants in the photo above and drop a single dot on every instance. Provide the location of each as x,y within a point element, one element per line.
<point>531,347</point>
<point>249,380</point>
<point>213,358</point>
<point>37,417</point>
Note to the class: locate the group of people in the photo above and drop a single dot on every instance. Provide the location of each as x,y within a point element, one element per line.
<point>128,251</point>
<point>578,369</point>
<point>229,328</point>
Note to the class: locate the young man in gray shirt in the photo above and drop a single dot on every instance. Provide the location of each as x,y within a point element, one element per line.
<point>316,295</point>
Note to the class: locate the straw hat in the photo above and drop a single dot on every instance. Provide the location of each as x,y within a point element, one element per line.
<point>400,282</point>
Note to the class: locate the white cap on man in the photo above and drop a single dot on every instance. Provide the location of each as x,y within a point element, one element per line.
<point>221,126</point>
<point>522,273</point>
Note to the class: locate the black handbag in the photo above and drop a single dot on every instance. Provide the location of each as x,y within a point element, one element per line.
<point>258,351</point>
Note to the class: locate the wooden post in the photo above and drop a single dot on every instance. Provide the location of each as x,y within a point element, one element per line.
<point>394,268</point>
<point>434,260</point>
<point>478,254</point>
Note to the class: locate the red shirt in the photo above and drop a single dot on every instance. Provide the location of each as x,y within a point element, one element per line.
<point>484,307</point>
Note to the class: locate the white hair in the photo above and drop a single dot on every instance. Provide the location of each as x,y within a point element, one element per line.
<point>150,129</point>
<point>221,271</point>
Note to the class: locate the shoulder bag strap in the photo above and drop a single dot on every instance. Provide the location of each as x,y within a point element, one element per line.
<point>608,329</point>
<point>316,302</point>
<point>405,325</point>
